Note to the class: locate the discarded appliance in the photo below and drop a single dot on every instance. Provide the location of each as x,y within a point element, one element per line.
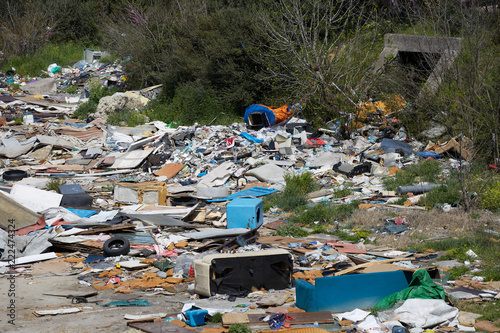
<point>236,273</point>
<point>258,116</point>
<point>348,292</point>
<point>245,213</point>
<point>90,55</point>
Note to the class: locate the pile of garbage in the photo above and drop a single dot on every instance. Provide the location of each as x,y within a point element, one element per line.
<point>179,209</point>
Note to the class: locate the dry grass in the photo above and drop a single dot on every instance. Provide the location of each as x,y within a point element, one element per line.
<point>423,225</point>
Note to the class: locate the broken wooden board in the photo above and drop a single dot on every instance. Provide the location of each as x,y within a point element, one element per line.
<point>159,327</point>
<point>368,264</point>
<point>321,317</point>
<point>169,170</point>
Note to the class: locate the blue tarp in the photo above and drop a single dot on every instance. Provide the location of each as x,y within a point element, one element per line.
<point>249,193</point>
<point>250,137</point>
<point>257,108</point>
<point>82,212</point>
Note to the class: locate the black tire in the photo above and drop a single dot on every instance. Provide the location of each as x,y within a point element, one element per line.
<point>14,174</point>
<point>116,246</point>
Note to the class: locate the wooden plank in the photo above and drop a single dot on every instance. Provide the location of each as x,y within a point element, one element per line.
<point>159,327</point>
<point>368,264</point>
<point>234,318</point>
<point>106,229</point>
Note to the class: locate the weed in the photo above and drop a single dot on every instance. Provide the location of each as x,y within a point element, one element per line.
<point>293,196</point>
<point>54,183</point>
<point>458,271</point>
<point>14,87</point>
<point>342,192</point>
<point>401,200</point>
<point>128,116</point>
<point>443,194</point>
<point>291,230</point>
<point>426,171</point>
<point>71,89</point>
<point>325,213</point>
<point>216,318</point>
<point>18,120</point>
<point>240,328</point>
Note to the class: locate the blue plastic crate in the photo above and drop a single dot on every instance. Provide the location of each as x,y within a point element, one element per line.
<point>245,213</point>
<point>196,317</point>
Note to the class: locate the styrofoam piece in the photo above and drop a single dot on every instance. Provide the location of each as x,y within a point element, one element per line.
<point>211,192</point>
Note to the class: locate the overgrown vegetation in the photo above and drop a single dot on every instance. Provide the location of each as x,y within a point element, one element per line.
<point>32,64</point>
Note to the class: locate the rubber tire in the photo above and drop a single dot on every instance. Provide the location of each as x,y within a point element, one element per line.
<point>116,246</point>
<point>14,174</point>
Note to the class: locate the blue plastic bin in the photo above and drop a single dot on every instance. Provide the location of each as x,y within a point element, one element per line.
<point>195,317</point>
<point>245,213</point>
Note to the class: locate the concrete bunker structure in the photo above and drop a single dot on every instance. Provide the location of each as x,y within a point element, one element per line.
<point>437,54</point>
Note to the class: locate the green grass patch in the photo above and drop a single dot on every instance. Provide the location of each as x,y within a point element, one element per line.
<point>442,195</point>
<point>216,318</point>
<point>240,328</point>
<point>290,229</point>
<point>489,310</point>
<point>458,271</point>
<point>294,194</point>
<point>324,213</point>
<point>480,242</point>
<point>426,171</point>
<point>63,54</point>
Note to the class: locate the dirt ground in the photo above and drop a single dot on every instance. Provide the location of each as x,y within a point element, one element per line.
<point>93,318</point>
<point>422,225</point>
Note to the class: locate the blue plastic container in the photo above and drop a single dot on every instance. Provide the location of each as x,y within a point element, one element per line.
<point>245,213</point>
<point>195,317</point>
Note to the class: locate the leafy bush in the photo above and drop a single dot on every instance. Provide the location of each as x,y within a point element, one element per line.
<point>191,103</point>
<point>491,196</point>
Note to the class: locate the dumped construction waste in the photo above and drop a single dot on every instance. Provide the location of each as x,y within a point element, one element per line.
<point>163,228</point>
